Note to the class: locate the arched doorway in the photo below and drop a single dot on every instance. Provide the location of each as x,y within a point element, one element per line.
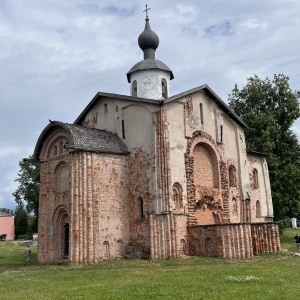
<point>61,233</point>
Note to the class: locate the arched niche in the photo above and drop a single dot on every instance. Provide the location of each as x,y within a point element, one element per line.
<point>206,171</point>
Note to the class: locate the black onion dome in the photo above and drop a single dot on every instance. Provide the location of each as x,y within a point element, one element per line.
<point>148,39</point>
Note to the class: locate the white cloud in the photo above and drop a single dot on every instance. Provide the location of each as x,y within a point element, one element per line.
<point>55,55</point>
<point>255,24</point>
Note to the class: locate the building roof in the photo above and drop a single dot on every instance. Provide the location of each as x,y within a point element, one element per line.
<point>101,95</point>
<point>149,64</point>
<point>148,41</point>
<point>3,214</point>
<point>84,139</point>
<point>257,153</point>
<point>207,90</point>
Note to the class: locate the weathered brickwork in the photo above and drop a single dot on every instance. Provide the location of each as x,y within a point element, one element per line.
<point>234,240</point>
<point>183,193</point>
<point>139,200</point>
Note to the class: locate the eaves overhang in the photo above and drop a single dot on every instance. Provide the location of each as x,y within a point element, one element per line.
<point>83,139</point>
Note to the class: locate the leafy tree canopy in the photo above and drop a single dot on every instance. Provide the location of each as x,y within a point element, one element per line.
<point>269,108</point>
<point>6,211</point>
<point>29,186</point>
<point>21,221</point>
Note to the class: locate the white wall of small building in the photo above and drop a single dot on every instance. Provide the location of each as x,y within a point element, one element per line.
<point>149,83</point>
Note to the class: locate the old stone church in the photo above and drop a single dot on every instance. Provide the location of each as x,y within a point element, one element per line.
<point>152,175</point>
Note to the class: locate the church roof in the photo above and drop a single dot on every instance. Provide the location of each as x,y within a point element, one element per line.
<point>148,41</point>
<point>149,64</point>
<point>84,139</point>
<point>101,95</point>
<point>205,88</point>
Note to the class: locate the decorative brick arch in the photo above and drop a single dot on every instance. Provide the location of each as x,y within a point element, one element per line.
<point>62,177</point>
<point>211,196</point>
<point>60,231</point>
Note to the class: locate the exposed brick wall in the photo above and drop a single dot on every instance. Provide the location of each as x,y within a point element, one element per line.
<point>99,196</point>
<point>139,165</point>
<point>96,205</point>
<point>234,240</point>
<point>204,194</point>
<point>205,167</point>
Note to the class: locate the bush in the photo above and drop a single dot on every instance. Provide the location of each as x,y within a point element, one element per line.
<point>23,237</point>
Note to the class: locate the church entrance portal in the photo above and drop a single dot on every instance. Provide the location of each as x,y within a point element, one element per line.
<point>61,226</point>
<point>66,240</point>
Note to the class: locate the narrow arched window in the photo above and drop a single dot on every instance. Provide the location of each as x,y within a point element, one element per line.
<point>120,247</point>
<point>106,251</point>
<point>182,247</point>
<point>258,212</point>
<point>255,178</point>
<point>164,88</point>
<point>134,88</point>
<point>201,114</point>
<point>105,108</point>
<point>140,207</point>
<point>177,195</point>
<point>62,178</point>
<point>221,133</point>
<point>231,172</point>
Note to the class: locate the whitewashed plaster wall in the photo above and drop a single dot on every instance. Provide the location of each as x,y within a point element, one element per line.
<point>149,83</point>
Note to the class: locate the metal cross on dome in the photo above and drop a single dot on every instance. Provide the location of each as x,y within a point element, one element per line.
<point>146,10</point>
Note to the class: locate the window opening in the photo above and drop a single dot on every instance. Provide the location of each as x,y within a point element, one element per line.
<point>201,114</point>
<point>177,195</point>
<point>258,212</point>
<point>105,108</point>
<point>255,179</point>
<point>221,134</point>
<point>141,207</point>
<point>164,88</point>
<point>123,129</point>
<point>232,176</point>
<point>134,88</point>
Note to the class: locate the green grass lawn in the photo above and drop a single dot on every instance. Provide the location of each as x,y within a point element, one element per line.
<point>271,276</point>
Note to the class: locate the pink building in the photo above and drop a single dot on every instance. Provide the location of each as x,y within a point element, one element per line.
<point>7,226</point>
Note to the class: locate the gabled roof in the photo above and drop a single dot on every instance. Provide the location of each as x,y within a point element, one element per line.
<point>207,90</point>
<point>84,139</point>
<point>100,95</point>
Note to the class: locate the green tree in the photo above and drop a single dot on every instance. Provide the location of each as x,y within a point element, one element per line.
<point>269,108</point>
<point>29,188</point>
<point>21,220</point>
<point>6,211</point>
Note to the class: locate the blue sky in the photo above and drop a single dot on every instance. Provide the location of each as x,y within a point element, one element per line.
<point>56,55</point>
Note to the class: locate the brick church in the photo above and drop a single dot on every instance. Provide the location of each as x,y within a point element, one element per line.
<point>152,175</point>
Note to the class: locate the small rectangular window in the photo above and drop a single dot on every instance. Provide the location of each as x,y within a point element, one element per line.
<point>117,108</point>
<point>221,134</point>
<point>164,88</point>
<point>123,129</point>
